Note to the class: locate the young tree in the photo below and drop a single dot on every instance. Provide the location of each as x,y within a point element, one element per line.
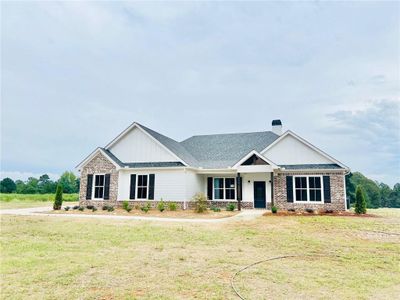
<point>360,205</point>
<point>7,185</point>
<point>58,199</point>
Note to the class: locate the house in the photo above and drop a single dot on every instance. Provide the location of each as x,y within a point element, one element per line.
<point>255,170</point>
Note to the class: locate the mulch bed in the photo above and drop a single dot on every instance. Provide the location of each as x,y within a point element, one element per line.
<point>322,213</point>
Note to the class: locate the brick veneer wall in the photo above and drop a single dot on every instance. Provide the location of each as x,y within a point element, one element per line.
<point>338,201</point>
<point>99,164</point>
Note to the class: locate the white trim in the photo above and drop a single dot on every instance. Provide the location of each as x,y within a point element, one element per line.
<point>94,186</point>
<point>147,187</point>
<point>252,152</point>
<point>288,132</point>
<point>224,189</point>
<point>133,125</point>
<point>91,155</point>
<point>308,189</point>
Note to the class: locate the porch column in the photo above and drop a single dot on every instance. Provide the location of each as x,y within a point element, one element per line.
<point>272,189</point>
<point>239,191</point>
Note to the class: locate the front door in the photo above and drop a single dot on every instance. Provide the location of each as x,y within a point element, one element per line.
<point>259,194</point>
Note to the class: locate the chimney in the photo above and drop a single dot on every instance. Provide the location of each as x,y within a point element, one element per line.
<point>277,127</point>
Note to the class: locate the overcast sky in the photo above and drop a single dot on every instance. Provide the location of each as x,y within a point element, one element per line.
<point>73,75</point>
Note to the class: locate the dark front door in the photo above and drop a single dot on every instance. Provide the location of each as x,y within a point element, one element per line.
<point>259,194</point>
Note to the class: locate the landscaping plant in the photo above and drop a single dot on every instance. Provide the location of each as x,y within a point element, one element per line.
<point>66,208</point>
<point>161,205</point>
<point>200,203</point>
<point>172,206</point>
<point>274,209</point>
<point>360,205</point>
<point>145,208</point>
<point>58,198</point>
<point>125,205</point>
<point>215,209</point>
<point>81,208</point>
<point>230,207</point>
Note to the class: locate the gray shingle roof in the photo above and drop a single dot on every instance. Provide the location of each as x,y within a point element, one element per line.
<point>311,167</point>
<point>224,150</point>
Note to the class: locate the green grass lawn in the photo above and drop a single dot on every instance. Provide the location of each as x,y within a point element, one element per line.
<point>64,258</point>
<point>31,200</point>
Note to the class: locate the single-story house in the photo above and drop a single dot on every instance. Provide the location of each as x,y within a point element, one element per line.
<point>255,169</point>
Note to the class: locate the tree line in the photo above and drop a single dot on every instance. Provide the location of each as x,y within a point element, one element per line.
<point>41,185</point>
<point>376,194</point>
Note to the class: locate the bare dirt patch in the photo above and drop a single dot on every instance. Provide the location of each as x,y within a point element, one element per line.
<point>185,214</point>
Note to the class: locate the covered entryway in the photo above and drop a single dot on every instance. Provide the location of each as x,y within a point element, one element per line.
<point>259,194</point>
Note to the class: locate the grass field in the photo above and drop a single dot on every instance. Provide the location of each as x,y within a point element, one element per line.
<point>60,258</point>
<point>31,200</point>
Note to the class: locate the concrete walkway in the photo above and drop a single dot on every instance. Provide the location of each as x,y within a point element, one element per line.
<point>244,215</point>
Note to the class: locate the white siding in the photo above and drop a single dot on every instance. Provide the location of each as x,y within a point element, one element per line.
<point>136,146</point>
<point>248,187</point>
<point>195,183</point>
<point>169,184</point>
<point>291,151</point>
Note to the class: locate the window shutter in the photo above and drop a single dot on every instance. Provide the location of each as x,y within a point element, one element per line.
<point>151,186</point>
<point>209,188</point>
<point>107,187</point>
<point>133,187</point>
<point>289,188</point>
<point>327,189</point>
<point>89,186</point>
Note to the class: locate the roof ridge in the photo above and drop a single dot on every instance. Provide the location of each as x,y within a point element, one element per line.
<point>232,133</point>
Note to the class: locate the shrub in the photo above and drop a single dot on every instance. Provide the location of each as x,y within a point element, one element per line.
<point>89,206</point>
<point>75,207</point>
<point>145,208</point>
<point>105,207</point>
<point>81,208</point>
<point>274,209</point>
<point>161,205</point>
<point>66,208</point>
<point>291,210</point>
<point>58,198</point>
<point>215,209</point>
<point>172,206</point>
<point>110,208</point>
<point>230,207</point>
<point>94,209</point>
<point>125,205</point>
<point>309,210</point>
<point>200,203</point>
<point>360,205</point>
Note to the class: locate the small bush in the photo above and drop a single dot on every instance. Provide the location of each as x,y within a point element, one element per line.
<point>230,207</point>
<point>309,210</point>
<point>360,206</point>
<point>125,205</point>
<point>172,206</point>
<point>200,203</point>
<point>145,208</point>
<point>215,209</point>
<point>105,207</point>
<point>110,208</point>
<point>81,208</point>
<point>94,209</point>
<point>58,198</point>
<point>89,206</point>
<point>274,209</point>
<point>75,207</point>
<point>329,211</point>
<point>291,210</point>
<point>66,208</point>
<point>161,205</point>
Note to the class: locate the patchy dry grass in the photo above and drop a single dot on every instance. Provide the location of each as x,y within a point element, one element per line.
<point>58,258</point>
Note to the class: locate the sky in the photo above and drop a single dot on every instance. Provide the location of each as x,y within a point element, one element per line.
<point>75,74</point>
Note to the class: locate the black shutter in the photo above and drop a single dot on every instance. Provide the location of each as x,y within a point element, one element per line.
<point>327,189</point>
<point>209,188</point>
<point>289,188</point>
<point>107,187</point>
<point>89,186</point>
<point>133,186</point>
<point>151,186</point>
<point>239,188</point>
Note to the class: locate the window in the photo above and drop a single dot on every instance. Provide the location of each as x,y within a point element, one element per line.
<point>224,189</point>
<point>314,185</point>
<point>98,186</point>
<point>142,187</point>
<point>308,188</point>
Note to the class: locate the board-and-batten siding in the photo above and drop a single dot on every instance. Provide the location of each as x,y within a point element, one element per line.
<point>290,151</point>
<point>136,146</point>
<point>169,184</point>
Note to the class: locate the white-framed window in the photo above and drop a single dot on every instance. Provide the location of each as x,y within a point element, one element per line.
<point>308,188</point>
<point>142,186</point>
<point>224,188</point>
<point>98,187</point>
